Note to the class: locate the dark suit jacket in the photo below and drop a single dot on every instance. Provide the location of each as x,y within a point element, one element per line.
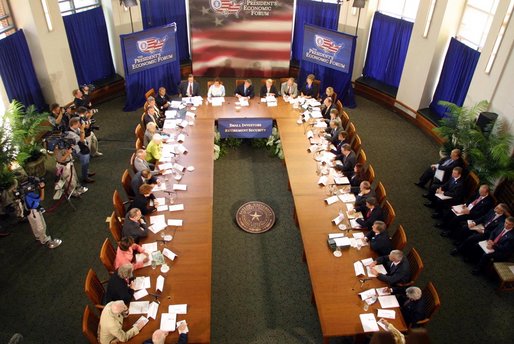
<point>367,221</point>
<point>332,136</point>
<point>454,189</point>
<point>133,229</point>
<point>141,202</point>
<point>449,168</point>
<point>481,208</point>
<point>264,90</point>
<point>412,311</point>
<point>504,248</point>
<point>380,243</point>
<point>395,274</point>
<point>137,181</point>
<point>348,162</point>
<point>185,84</point>
<point>489,225</point>
<point>326,113</point>
<point>241,91</point>
<point>360,201</point>
<point>337,150</point>
<point>312,91</point>
<point>161,101</point>
<point>118,289</point>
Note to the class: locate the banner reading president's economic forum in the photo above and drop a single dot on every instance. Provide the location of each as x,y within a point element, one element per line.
<point>243,38</point>
<point>328,48</point>
<point>149,48</point>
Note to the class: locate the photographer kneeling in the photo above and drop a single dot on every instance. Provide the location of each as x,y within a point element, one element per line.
<point>80,148</point>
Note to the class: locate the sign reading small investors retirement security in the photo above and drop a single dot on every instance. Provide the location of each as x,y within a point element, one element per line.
<point>149,48</point>
<point>328,48</point>
<point>245,128</point>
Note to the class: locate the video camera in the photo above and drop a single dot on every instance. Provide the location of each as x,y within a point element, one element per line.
<point>25,188</point>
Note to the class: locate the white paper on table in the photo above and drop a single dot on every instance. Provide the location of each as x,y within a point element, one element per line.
<point>331,200</point>
<point>358,235</point>
<point>341,242</point>
<point>170,113</point>
<point>354,224</point>
<point>176,207</point>
<point>338,219</point>
<point>175,222</point>
<point>180,187</point>
<point>160,283</point>
<point>442,197</point>
<point>152,310</point>
<point>181,138</point>
<point>271,98</point>
<point>179,167</point>
<point>349,206</point>
<point>175,103</point>
<point>341,180</point>
<point>138,307</point>
<point>367,294</point>
<point>483,246</point>
<point>181,149</point>
<point>142,282</point>
<point>168,253</point>
<point>369,323</point>
<point>150,247</point>
<point>178,309</point>
<point>380,269</point>
<point>367,261</point>
<point>169,124</point>
<point>166,166</point>
<point>335,235</point>
<point>347,198</point>
<point>140,294</point>
<point>263,100</point>
<point>217,101</point>
<point>323,180</point>
<point>168,321</point>
<point>142,320</point>
<point>386,313</point>
<point>243,102</point>
<point>140,258</point>
<point>383,291</point>
<point>312,149</point>
<point>162,208</point>
<point>316,114</point>
<point>439,174</point>
<point>388,301</point>
<point>157,219</point>
<point>359,269</point>
<point>157,227</point>
<point>186,330</point>
<point>272,103</point>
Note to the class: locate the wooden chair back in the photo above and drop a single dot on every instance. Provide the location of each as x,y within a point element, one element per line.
<point>339,106</point>
<point>94,289</point>
<point>389,213</point>
<point>356,144</point>
<point>126,182</point>
<point>380,193</point>
<point>119,207</point>
<point>115,227</point>
<point>351,131</point>
<point>90,323</point>
<point>139,132</point>
<point>132,159</point>
<point>108,256</point>
<point>317,83</point>
<point>431,301</point>
<point>139,144</point>
<point>150,93</point>
<point>240,82</point>
<point>142,122</point>
<point>370,174</point>
<point>361,158</point>
<point>345,120</point>
<point>263,82</point>
<point>399,238</point>
<point>415,265</point>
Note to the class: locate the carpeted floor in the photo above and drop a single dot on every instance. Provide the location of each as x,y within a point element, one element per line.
<point>261,288</point>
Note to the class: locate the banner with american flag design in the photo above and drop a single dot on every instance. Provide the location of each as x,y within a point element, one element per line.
<point>328,48</point>
<point>241,38</point>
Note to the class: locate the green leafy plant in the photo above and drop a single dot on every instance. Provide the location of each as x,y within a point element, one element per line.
<point>221,146</point>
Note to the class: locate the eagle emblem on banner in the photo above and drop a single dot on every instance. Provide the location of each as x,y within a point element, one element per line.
<point>226,7</point>
<point>326,44</point>
<point>151,45</point>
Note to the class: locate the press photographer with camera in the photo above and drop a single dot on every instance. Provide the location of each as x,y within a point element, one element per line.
<point>86,117</point>
<point>65,171</point>
<point>60,117</point>
<point>77,133</point>
<point>79,99</point>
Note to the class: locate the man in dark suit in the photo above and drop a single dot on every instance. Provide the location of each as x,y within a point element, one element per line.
<point>378,239</point>
<point>445,164</point>
<point>373,213</point>
<point>134,225</point>
<point>162,100</point>
<point>326,107</point>
<point>189,88</point>
<point>412,306</point>
<point>453,188</point>
<point>342,138</point>
<point>347,158</point>
<point>501,241</point>
<point>332,132</point>
<point>397,267</point>
<point>245,90</point>
<point>269,89</point>
<point>140,178</point>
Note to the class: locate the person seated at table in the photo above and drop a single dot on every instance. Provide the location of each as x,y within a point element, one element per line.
<point>120,285</point>
<point>152,116</point>
<point>189,88</point>
<point>245,90</point>
<point>154,149</point>
<point>125,254</point>
<point>134,225</point>
<point>150,103</point>
<point>162,100</point>
<point>110,327</point>
<point>145,200</point>
<point>412,306</point>
<point>378,239</point>
<point>347,159</point>
<point>357,178</point>
<point>363,194</point>
<point>143,177</point>
<point>289,88</point>
<point>151,130</point>
<point>342,138</point>
<point>332,132</point>
<point>326,107</point>
<point>445,164</point>
<point>372,212</point>
<point>216,89</point>
<point>330,93</point>
<point>159,336</point>
<point>269,89</point>
<point>397,267</point>
<point>309,90</point>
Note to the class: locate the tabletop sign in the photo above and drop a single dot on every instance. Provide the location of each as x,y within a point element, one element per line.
<point>245,128</point>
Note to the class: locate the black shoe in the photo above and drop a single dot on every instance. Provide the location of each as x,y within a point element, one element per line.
<point>429,205</point>
<point>445,234</point>
<point>454,252</point>
<point>419,185</point>
<point>476,272</point>
<point>88,180</point>
<point>91,174</point>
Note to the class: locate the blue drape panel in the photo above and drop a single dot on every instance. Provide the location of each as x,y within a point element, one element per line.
<point>89,45</point>
<point>17,71</point>
<point>387,49</point>
<point>162,12</point>
<point>325,15</point>
<point>458,68</point>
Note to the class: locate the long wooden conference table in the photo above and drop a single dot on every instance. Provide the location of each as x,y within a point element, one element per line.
<point>334,284</point>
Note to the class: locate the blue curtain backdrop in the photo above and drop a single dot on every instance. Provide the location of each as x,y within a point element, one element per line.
<point>310,12</point>
<point>89,45</point>
<point>162,12</point>
<point>458,68</point>
<point>17,71</point>
<point>387,49</point>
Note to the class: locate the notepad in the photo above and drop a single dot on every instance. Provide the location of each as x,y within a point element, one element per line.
<point>140,294</point>
<point>388,301</point>
<point>341,180</point>
<point>369,323</point>
<point>479,227</point>
<point>178,309</point>
<point>354,223</point>
<point>341,242</point>
<point>176,207</point>
<point>142,320</point>
<point>335,235</point>
<point>483,246</point>
<point>367,294</point>
<point>380,269</point>
<point>383,291</point>
<point>367,261</point>
<point>157,227</point>
<point>168,321</point>
<point>160,284</point>
<point>162,207</point>
<point>458,209</point>
<point>170,113</point>
<point>169,254</point>
<point>347,198</point>
<point>386,313</point>
<point>157,219</point>
<point>138,307</point>
<point>358,235</point>
<point>442,197</point>
<point>180,187</point>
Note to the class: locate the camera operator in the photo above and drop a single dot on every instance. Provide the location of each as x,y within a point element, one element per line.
<point>35,216</point>
<point>77,133</point>
<point>86,96</point>
<point>66,172</point>
<point>86,117</point>
<point>79,99</point>
<point>60,117</point>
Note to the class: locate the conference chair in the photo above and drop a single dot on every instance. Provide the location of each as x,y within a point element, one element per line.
<point>119,205</point>
<point>139,132</point>
<point>132,159</point>
<point>142,121</point>
<point>263,83</point>
<point>399,238</point>
<point>139,144</point>
<point>318,84</point>
<point>415,265</point>
<point>94,289</point>
<point>351,131</point>
<point>361,157</point>
<point>150,93</point>
<point>115,227</point>
<point>339,107</point>
<point>108,256</point>
<point>369,174</point>
<point>240,82</point>
<point>126,182</point>
<point>380,193</point>
<point>345,120</point>
<point>356,144</point>
<point>90,323</point>
<point>389,213</point>
<point>431,301</point>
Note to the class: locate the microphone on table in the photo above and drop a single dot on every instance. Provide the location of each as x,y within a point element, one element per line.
<point>364,280</point>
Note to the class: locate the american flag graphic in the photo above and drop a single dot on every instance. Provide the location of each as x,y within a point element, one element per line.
<point>226,6</point>
<point>245,44</point>
<point>151,45</point>
<point>327,45</point>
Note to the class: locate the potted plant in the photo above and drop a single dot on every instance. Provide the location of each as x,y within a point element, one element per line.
<point>27,129</point>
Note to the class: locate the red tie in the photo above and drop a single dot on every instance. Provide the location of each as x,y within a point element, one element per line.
<point>499,236</point>
<point>368,214</point>
<point>476,201</point>
<point>190,89</point>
